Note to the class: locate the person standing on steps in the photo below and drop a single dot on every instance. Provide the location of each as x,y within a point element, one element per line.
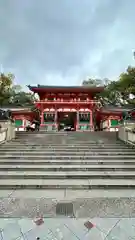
<point>33,126</point>
<point>28,123</point>
<point>37,124</point>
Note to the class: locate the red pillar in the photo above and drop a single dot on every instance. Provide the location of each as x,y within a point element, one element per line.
<point>42,114</point>
<point>91,115</point>
<point>56,118</point>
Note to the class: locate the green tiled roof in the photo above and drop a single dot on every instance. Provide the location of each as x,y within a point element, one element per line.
<point>16,109</point>
<point>67,89</point>
<point>112,108</point>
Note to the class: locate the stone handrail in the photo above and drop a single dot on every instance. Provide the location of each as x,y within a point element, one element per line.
<point>3,135</point>
<point>9,128</point>
<point>127,133</point>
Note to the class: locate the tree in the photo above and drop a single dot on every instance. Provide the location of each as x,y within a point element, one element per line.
<point>126,84</point>
<point>116,92</point>
<point>11,94</point>
<point>6,82</point>
<point>93,82</point>
<point>21,98</point>
<point>109,95</point>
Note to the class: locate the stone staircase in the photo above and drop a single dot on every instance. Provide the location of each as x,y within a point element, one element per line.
<point>73,160</point>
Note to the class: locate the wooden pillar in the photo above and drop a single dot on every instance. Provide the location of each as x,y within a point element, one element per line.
<point>91,115</point>
<point>42,114</point>
<point>77,119</point>
<point>75,122</point>
<point>56,118</point>
<point>24,123</point>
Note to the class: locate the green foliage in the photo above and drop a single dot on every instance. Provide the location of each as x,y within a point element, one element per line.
<point>127,83</point>
<point>6,82</point>
<point>21,98</point>
<point>11,94</point>
<point>93,82</point>
<point>116,92</point>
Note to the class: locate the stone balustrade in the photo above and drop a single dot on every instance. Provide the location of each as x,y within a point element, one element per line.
<point>3,135</point>
<point>127,133</point>
<point>7,131</point>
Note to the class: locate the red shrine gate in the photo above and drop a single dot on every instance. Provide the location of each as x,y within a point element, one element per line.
<point>77,104</point>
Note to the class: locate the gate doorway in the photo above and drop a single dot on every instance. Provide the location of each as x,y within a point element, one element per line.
<point>66,119</point>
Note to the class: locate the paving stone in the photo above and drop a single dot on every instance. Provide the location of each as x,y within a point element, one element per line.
<point>56,228</point>
<point>76,226</point>
<point>11,231</point>
<point>26,225</point>
<point>123,230</point>
<point>95,234</point>
<point>40,231</point>
<point>105,224</point>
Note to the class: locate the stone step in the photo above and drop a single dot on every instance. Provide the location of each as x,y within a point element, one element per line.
<point>81,134</point>
<point>66,161</point>
<point>63,143</point>
<point>62,140</point>
<point>66,157</point>
<point>66,153</point>
<point>70,168</point>
<point>64,146</point>
<point>46,143</point>
<point>73,150</point>
<point>69,162</point>
<point>39,148</point>
<point>67,175</point>
<point>73,133</point>
<point>67,184</point>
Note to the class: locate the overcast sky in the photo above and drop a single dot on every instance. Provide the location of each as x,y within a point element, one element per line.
<point>62,42</point>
